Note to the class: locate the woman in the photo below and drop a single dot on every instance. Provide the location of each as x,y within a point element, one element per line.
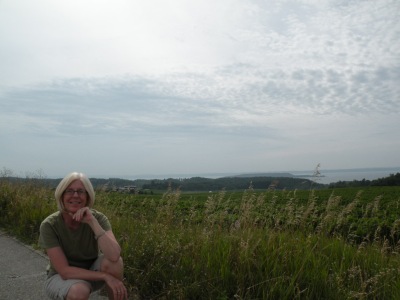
<point>84,254</point>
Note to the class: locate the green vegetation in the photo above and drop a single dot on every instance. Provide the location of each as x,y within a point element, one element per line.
<point>231,183</point>
<point>271,244</point>
<point>194,183</point>
<point>392,180</point>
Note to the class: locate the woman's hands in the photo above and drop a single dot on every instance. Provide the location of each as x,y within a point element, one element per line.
<point>83,215</point>
<point>107,243</point>
<point>116,287</point>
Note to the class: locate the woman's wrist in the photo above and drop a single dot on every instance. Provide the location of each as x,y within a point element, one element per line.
<point>104,276</point>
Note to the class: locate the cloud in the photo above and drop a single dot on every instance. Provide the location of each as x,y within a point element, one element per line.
<point>229,81</point>
<point>225,102</point>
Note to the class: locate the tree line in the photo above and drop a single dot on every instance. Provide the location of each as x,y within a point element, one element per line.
<point>224,183</point>
<point>391,180</point>
<point>231,183</point>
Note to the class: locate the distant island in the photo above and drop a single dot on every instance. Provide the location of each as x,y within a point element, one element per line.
<point>275,174</point>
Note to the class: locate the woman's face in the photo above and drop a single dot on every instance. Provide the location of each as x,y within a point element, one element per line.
<point>74,197</point>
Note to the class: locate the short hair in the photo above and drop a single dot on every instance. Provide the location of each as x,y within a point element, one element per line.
<point>66,181</point>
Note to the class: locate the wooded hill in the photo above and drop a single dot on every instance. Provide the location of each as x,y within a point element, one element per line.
<point>190,184</point>
<point>232,183</point>
<point>202,184</point>
<point>391,180</point>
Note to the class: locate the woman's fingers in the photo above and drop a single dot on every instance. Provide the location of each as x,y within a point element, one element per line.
<point>120,292</point>
<point>81,213</point>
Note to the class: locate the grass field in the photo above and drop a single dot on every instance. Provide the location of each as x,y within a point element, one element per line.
<point>325,244</point>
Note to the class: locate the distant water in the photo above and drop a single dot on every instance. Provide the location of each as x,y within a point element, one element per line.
<point>329,176</point>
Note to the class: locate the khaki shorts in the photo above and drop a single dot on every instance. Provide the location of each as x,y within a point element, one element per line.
<point>57,288</point>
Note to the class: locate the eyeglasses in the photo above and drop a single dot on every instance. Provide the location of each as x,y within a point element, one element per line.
<point>71,192</point>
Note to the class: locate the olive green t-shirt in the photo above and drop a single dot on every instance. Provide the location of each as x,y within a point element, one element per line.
<point>79,246</point>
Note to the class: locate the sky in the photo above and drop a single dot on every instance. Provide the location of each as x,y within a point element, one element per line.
<point>119,88</point>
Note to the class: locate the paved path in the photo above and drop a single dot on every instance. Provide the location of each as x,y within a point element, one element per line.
<point>22,271</point>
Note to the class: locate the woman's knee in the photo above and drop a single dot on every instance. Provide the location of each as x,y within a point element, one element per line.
<point>79,291</point>
<point>115,268</point>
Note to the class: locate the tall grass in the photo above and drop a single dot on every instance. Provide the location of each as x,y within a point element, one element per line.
<point>24,206</point>
<point>249,245</point>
